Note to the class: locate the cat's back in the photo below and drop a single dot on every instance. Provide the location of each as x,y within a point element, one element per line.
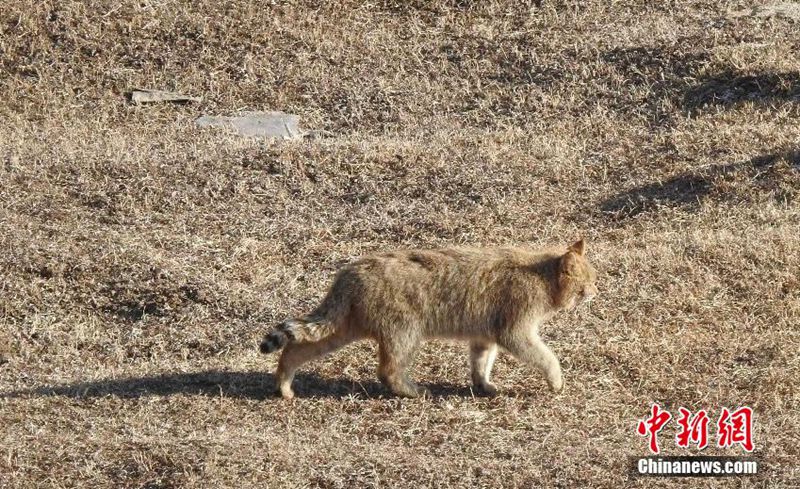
<point>448,262</point>
<point>464,286</point>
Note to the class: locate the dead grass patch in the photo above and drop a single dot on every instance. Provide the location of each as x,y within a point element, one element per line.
<point>143,257</point>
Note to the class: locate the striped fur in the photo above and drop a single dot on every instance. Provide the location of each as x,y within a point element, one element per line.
<point>300,330</point>
<point>491,297</point>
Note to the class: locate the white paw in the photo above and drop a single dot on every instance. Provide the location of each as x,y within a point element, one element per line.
<point>556,384</point>
<point>287,393</point>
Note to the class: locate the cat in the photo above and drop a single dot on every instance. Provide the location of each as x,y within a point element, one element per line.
<point>490,297</point>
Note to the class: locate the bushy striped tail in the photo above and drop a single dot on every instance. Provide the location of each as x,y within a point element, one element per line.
<point>295,331</point>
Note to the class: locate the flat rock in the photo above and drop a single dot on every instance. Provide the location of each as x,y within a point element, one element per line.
<point>784,10</point>
<point>146,95</point>
<point>273,125</point>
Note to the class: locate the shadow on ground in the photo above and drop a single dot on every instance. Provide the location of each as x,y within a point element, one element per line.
<point>728,88</point>
<point>684,75</point>
<point>776,174</point>
<point>649,76</point>
<point>215,383</point>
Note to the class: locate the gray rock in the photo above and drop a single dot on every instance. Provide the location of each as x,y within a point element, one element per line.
<point>274,125</point>
<point>146,95</point>
<point>785,10</point>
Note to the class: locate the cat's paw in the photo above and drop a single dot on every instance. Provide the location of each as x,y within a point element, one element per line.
<point>556,384</point>
<point>487,388</point>
<point>286,392</point>
<point>411,391</point>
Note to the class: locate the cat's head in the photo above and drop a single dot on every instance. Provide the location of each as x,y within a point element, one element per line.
<point>576,277</point>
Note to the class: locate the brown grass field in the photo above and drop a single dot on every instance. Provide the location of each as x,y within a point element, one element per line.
<point>143,258</point>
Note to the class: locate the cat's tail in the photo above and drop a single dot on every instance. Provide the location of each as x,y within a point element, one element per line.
<point>323,321</point>
<point>301,330</point>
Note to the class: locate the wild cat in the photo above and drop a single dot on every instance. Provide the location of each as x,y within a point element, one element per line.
<point>490,297</point>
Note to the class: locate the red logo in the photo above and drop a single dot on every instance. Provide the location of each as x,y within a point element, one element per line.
<point>693,429</point>
<point>653,425</point>
<point>736,428</point>
<point>732,428</point>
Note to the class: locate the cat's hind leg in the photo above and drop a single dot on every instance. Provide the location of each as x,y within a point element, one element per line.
<point>296,354</point>
<point>396,353</point>
<point>482,355</point>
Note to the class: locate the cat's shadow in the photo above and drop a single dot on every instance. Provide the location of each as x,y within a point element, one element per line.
<point>219,383</point>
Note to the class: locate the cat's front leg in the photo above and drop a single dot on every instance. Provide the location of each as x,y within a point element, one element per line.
<point>482,356</point>
<point>530,348</point>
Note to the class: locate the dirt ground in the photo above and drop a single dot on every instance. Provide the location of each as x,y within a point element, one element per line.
<point>143,258</point>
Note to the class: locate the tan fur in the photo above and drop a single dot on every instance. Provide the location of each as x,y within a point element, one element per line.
<point>490,297</point>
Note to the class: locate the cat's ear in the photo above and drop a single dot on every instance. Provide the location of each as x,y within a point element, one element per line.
<point>578,247</point>
<point>568,264</point>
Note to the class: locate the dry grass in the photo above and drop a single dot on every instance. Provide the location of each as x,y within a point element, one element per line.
<point>144,258</point>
